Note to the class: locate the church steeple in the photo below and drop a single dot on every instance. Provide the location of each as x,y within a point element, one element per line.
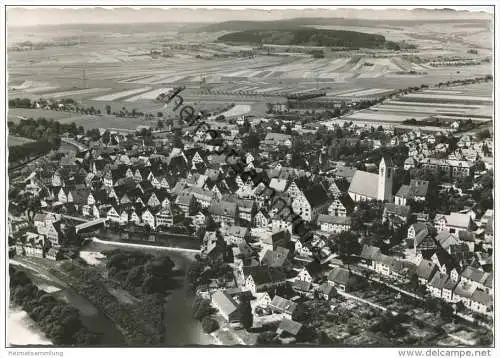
<point>385,176</point>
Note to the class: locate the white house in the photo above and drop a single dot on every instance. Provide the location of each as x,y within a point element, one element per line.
<point>453,223</point>
<point>334,224</point>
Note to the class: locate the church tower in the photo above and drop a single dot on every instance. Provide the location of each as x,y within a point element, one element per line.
<point>385,176</point>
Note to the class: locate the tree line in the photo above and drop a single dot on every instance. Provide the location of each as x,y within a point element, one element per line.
<point>60,322</point>
<point>46,134</point>
<point>141,273</point>
<point>141,324</point>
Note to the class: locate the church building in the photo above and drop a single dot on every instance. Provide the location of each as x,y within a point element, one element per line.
<point>371,186</point>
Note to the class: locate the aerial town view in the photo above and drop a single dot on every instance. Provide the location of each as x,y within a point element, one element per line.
<point>314,177</point>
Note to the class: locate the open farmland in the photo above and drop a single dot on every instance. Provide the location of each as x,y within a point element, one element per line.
<point>151,95</point>
<point>87,121</point>
<point>17,114</point>
<point>119,71</point>
<point>91,122</point>
<point>122,94</point>
<point>382,116</point>
<point>67,94</point>
<point>443,104</point>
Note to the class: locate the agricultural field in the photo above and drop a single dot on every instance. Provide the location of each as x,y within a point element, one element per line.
<point>87,121</point>
<point>473,102</point>
<point>17,114</point>
<point>106,69</point>
<point>121,94</point>
<point>151,95</point>
<point>91,122</point>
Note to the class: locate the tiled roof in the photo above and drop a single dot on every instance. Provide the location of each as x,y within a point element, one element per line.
<point>223,208</point>
<point>300,285</point>
<point>276,258</point>
<point>425,269</point>
<point>482,297</point>
<point>474,274</point>
<point>399,210</point>
<point>264,274</point>
<point>224,302</point>
<point>316,195</point>
<point>335,220</point>
<point>438,280</point>
<point>289,326</point>
<point>283,304</point>
<point>364,183</point>
<point>369,252</point>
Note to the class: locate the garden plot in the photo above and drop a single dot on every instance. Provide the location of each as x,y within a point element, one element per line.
<point>122,94</point>
<point>151,95</point>
<point>84,92</point>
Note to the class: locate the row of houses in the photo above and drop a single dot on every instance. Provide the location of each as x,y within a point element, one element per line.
<point>471,286</point>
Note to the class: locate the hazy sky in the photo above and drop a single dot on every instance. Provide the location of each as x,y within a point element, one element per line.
<point>18,16</point>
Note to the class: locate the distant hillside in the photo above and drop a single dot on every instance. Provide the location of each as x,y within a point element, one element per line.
<point>307,37</point>
<point>323,21</point>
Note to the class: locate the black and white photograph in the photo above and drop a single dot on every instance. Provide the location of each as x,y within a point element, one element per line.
<point>254,176</point>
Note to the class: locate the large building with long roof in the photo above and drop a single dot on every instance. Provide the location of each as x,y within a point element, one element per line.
<point>372,186</point>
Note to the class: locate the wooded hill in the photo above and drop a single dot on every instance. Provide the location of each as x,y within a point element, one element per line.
<point>308,37</point>
<point>298,22</point>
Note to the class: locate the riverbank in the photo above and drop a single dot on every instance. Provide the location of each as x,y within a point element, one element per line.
<point>92,317</point>
<point>121,244</point>
<point>22,330</point>
<point>166,239</point>
<point>181,329</point>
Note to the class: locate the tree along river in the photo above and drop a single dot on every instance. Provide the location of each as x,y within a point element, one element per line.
<point>181,328</point>
<point>91,316</point>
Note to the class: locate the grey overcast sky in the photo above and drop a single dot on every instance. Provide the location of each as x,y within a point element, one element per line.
<point>32,16</point>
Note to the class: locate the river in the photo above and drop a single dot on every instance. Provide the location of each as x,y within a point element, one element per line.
<point>181,329</point>
<point>91,316</point>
